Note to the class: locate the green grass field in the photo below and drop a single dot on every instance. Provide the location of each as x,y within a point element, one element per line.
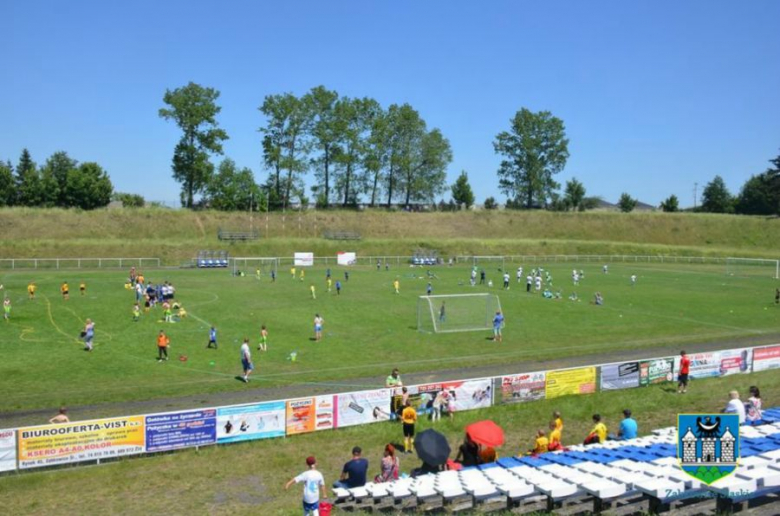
<point>249,477</point>
<point>368,329</point>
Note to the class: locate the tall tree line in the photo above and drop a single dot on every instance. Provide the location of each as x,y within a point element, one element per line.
<point>60,182</point>
<point>355,150</point>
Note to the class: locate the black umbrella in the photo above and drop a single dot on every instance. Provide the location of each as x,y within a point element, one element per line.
<point>432,447</point>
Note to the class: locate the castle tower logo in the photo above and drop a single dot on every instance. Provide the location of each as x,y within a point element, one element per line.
<point>708,445</point>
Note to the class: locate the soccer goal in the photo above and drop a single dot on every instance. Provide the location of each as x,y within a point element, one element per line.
<point>456,312</point>
<point>488,262</point>
<point>753,267</point>
<point>250,265</point>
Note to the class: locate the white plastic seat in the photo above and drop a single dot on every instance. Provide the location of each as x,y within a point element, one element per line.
<point>558,489</point>
<point>340,492</point>
<point>733,486</point>
<point>377,490</point>
<point>358,492</point>
<point>764,477</point>
<point>753,462</point>
<point>603,489</point>
<point>660,488</point>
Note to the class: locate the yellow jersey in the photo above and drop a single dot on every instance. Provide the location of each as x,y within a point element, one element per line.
<point>541,444</point>
<point>600,429</point>
<point>409,415</point>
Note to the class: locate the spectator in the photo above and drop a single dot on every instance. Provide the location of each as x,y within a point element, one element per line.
<point>487,455</point>
<point>409,418</point>
<point>468,453</point>
<point>390,466</point>
<point>682,377</point>
<point>753,406</point>
<point>394,380</point>
<point>735,406</point>
<point>61,417</point>
<point>313,483</point>
<point>627,429</point>
<point>554,441</point>
<point>541,444</point>
<point>599,432</point>
<point>353,474</point>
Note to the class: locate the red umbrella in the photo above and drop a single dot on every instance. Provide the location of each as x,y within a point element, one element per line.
<point>486,433</point>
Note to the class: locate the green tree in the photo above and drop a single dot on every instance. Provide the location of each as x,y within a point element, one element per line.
<point>716,198</point>
<point>534,150</point>
<point>377,155</point>
<point>286,142</point>
<point>354,119</point>
<point>590,203</point>
<point>7,184</point>
<point>129,200</point>
<point>54,175</point>
<point>490,204</point>
<point>232,189</point>
<point>405,133</point>
<point>671,204</point>
<point>325,133</point>
<point>461,191</point>
<point>194,109</point>
<point>28,181</point>
<point>574,194</point>
<point>760,195</point>
<point>626,203</point>
<point>88,187</point>
<point>425,175</point>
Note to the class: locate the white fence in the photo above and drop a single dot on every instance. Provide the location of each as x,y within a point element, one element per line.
<point>78,263</point>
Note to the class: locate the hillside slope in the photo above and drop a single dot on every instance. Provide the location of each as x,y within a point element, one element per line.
<point>178,234</point>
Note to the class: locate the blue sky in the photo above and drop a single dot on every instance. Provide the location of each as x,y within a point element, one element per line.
<point>655,95</point>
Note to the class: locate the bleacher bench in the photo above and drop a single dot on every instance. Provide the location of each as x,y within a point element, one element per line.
<point>238,235</point>
<point>341,235</point>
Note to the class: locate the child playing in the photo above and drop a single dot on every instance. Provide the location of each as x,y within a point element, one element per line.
<point>136,312</point>
<point>262,345</point>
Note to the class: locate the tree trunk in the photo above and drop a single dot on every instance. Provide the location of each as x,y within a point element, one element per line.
<point>327,175</point>
<point>290,167</point>
<point>373,190</point>
<point>390,186</point>
<point>408,187</point>
<point>346,185</point>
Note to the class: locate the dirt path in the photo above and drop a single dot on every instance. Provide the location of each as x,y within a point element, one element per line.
<point>84,412</point>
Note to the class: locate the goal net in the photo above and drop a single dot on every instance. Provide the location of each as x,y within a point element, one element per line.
<point>753,267</point>
<point>456,312</point>
<point>250,266</point>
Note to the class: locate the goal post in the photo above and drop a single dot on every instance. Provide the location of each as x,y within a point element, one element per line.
<point>753,267</point>
<point>456,312</point>
<point>488,262</point>
<point>250,265</point>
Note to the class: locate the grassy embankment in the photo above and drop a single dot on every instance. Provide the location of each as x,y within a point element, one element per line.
<point>176,235</point>
<point>249,478</point>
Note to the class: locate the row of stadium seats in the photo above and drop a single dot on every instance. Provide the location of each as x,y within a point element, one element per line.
<point>212,263</point>
<point>639,475</point>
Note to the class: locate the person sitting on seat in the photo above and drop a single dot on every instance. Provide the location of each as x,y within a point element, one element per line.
<point>541,444</point>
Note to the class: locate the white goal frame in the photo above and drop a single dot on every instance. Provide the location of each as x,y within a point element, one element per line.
<point>426,308</point>
<point>743,263</point>
<point>249,264</point>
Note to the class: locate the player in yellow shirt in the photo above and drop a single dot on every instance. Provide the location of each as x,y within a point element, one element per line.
<point>330,283</point>
<point>541,443</point>
<point>554,441</point>
<point>83,288</point>
<point>292,272</point>
<point>303,274</point>
<point>313,290</point>
<point>409,418</point>
<point>397,286</point>
<point>558,421</point>
<point>599,432</point>
<point>65,289</point>
<point>31,290</point>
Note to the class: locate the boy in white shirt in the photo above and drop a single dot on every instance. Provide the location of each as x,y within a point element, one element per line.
<point>313,483</point>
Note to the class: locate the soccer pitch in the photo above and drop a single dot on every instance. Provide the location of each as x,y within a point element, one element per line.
<point>368,327</point>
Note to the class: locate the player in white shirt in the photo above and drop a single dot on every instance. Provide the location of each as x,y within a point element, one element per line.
<point>473,276</point>
<point>538,283</point>
<point>506,281</point>
<point>529,280</point>
<point>313,484</point>
<point>246,360</point>
<point>633,280</point>
<point>519,274</point>
<point>605,269</point>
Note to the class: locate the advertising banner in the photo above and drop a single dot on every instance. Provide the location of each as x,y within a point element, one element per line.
<point>703,365</point>
<point>247,422</point>
<point>462,394</point>
<point>619,376</point>
<point>358,408</point>
<point>50,445</point>
<point>301,416</point>
<point>766,358</point>
<point>303,259</point>
<point>176,430</point>
<point>326,415</point>
<point>570,381</point>
<point>655,371</point>
<point>735,361</point>
<point>346,258</point>
<point>522,387</point>
<point>7,450</point>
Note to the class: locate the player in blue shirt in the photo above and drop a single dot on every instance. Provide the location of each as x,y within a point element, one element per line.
<point>212,338</point>
<point>498,323</point>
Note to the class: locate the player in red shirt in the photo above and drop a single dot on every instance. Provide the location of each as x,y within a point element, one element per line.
<point>682,378</point>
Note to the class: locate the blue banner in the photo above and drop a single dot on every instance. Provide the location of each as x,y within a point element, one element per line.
<point>177,430</point>
<point>246,422</point>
